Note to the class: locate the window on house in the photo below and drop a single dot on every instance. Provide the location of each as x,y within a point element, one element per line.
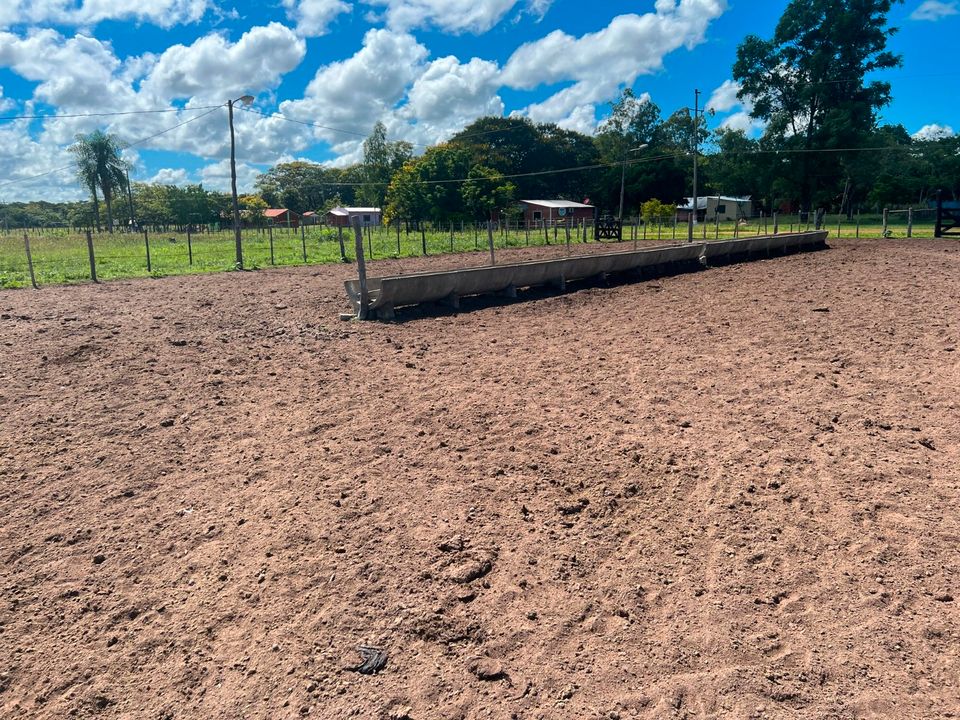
<point>721,209</point>
<point>537,216</point>
<point>366,218</point>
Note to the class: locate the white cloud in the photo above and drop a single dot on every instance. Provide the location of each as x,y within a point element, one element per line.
<point>217,176</point>
<point>934,131</point>
<point>213,67</point>
<point>6,104</point>
<point>453,16</point>
<point>600,63</point>
<point>314,16</point>
<point>170,176</point>
<point>934,10</point>
<point>724,98</point>
<point>165,13</point>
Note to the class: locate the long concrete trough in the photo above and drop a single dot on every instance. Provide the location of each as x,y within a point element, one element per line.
<point>388,293</point>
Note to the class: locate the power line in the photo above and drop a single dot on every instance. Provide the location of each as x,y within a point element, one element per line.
<point>106,114</point>
<point>127,145</point>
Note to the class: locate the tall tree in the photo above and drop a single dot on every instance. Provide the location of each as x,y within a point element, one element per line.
<point>808,83</point>
<point>99,161</point>
<point>381,159</point>
<point>86,166</point>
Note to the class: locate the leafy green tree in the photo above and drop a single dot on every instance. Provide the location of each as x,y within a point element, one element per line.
<point>299,186</point>
<point>808,84</point>
<point>487,191</point>
<point>381,159</point>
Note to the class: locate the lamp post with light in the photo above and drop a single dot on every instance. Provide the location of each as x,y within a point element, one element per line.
<point>246,100</point>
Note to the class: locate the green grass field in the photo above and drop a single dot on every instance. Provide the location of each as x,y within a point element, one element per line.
<point>61,257</point>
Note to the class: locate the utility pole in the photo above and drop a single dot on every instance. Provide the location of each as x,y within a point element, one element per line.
<point>696,152</point>
<point>623,176</point>
<point>246,100</point>
<point>133,222</point>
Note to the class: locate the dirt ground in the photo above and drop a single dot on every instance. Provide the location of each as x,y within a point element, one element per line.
<point>730,494</point>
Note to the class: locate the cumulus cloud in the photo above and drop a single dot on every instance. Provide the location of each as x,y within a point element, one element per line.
<point>165,13</point>
<point>213,67</point>
<point>724,100</point>
<point>313,17</point>
<point>453,16</point>
<point>170,176</point>
<point>934,131</point>
<point>934,10</point>
<point>600,63</point>
<point>217,176</point>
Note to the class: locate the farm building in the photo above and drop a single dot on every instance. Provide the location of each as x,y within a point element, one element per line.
<point>710,207</point>
<point>343,217</point>
<point>311,218</point>
<point>553,212</point>
<point>282,217</point>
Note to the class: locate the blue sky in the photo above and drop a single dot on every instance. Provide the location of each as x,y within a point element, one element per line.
<point>424,67</point>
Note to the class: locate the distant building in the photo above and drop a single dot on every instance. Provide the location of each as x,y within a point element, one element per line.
<point>343,217</point>
<point>281,217</point>
<point>709,207</point>
<point>310,218</point>
<point>555,212</point>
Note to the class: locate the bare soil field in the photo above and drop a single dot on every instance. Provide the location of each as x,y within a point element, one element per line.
<point>730,494</point>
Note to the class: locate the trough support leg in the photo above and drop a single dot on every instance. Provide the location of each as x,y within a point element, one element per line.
<point>559,283</point>
<point>363,309</point>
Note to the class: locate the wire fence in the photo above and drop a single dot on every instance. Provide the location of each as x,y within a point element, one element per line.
<point>59,256</point>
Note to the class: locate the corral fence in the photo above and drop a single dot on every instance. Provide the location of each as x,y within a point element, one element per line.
<point>58,255</point>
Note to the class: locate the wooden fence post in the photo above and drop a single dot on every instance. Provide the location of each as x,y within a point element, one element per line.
<point>363,310</point>
<point>493,256</point>
<point>858,223</point>
<point>776,224</point>
<point>26,244</point>
<point>398,237</point>
<point>343,250</point>
<point>886,221</point>
<point>451,236</point>
<point>423,238</point>
<point>270,238</point>
<point>189,247</point>
<point>303,241</point>
<point>146,242</point>
<point>93,261</point>
<point>909,222</point>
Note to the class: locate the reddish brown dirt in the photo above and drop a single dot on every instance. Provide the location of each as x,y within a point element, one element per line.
<point>702,496</point>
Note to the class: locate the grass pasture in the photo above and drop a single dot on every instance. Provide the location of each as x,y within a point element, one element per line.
<point>61,257</point>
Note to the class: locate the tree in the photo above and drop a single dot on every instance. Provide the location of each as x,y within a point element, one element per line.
<point>808,83</point>
<point>486,191</point>
<point>298,186</point>
<point>381,159</point>
<point>99,164</point>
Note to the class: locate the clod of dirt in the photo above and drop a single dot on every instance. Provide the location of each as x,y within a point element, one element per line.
<point>574,508</point>
<point>167,423</point>
<point>944,598</point>
<point>454,544</point>
<point>469,571</point>
<point>486,669</point>
<point>821,309</point>
<point>99,559</point>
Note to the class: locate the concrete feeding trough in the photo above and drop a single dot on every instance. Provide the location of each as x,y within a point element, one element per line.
<point>448,286</point>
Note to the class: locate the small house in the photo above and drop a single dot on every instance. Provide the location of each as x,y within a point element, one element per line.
<point>343,217</point>
<point>310,218</point>
<point>712,207</point>
<point>537,213</point>
<point>281,217</point>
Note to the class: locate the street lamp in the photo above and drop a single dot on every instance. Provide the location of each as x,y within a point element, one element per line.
<point>246,100</point>
<point>623,175</point>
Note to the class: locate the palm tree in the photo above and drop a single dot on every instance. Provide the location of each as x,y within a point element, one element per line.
<point>87,173</point>
<point>99,164</point>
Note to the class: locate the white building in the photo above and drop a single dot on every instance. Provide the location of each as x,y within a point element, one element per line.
<point>343,217</point>
<point>710,207</point>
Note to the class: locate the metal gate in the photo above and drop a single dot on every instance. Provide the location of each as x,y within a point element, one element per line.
<point>948,218</point>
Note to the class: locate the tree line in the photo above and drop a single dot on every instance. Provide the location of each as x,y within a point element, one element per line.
<point>812,86</point>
